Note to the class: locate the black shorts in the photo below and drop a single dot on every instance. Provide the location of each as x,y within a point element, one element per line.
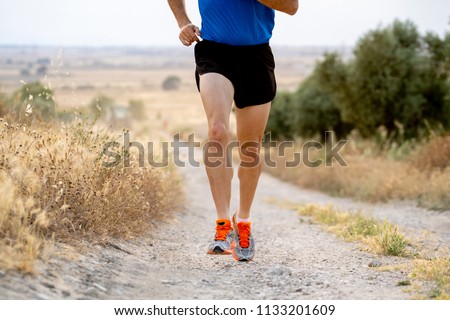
<point>249,68</point>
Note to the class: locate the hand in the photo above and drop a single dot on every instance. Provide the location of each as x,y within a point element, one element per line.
<point>189,34</point>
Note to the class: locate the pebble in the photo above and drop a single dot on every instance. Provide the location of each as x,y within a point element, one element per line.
<point>375,264</point>
<point>48,285</point>
<point>40,296</point>
<point>99,287</point>
<point>171,282</point>
<point>280,271</point>
<point>65,293</point>
<point>2,274</point>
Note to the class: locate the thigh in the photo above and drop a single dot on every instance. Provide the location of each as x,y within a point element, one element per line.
<point>217,97</point>
<point>251,122</point>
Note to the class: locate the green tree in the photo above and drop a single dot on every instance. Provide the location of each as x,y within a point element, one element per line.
<point>397,80</point>
<point>279,124</point>
<point>33,101</point>
<point>315,112</point>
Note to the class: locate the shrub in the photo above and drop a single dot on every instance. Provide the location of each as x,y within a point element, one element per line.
<point>99,106</point>
<point>33,101</point>
<point>171,83</point>
<point>53,184</point>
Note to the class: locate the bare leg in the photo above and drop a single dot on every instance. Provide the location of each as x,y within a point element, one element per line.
<point>251,123</point>
<point>217,96</point>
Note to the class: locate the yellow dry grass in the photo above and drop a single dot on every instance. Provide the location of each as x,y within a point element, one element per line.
<point>436,275</point>
<point>422,174</point>
<point>53,184</point>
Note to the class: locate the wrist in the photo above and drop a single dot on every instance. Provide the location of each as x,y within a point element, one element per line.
<point>184,23</point>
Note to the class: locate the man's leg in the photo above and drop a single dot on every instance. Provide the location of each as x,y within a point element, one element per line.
<point>217,96</point>
<point>251,123</point>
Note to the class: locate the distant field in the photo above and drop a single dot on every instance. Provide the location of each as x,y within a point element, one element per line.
<point>77,75</point>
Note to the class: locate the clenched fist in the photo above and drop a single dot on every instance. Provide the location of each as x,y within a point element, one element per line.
<point>189,34</point>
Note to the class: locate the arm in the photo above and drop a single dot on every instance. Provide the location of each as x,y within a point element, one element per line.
<point>286,6</point>
<point>189,33</point>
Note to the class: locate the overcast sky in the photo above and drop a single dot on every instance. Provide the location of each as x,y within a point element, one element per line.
<point>150,22</point>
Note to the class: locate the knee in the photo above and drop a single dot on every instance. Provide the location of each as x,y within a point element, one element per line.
<point>250,154</point>
<point>218,132</point>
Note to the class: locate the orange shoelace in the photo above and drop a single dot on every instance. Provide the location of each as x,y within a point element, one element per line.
<point>222,232</point>
<point>244,234</point>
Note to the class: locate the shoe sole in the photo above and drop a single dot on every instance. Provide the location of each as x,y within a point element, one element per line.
<point>218,251</point>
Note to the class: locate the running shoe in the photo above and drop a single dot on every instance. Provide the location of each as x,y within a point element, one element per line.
<point>222,240</point>
<point>243,245</point>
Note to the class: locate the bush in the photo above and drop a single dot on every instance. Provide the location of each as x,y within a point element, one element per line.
<point>99,105</point>
<point>279,124</point>
<point>309,112</point>
<point>33,101</point>
<point>53,185</point>
<point>171,83</point>
<point>316,112</point>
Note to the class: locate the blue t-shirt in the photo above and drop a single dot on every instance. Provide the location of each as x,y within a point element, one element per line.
<point>236,22</point>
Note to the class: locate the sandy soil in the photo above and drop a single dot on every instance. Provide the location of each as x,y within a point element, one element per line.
<point>294,260</point>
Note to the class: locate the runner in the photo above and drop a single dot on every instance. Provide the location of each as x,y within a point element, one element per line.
<point>234,62</point>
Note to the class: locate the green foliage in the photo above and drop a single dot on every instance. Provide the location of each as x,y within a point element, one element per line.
<point>279,124</point>
<point>317,112</point>
<point>395,89</point>
<point>309,112</point>
<point>99,105</point>
<point>33,101</point>
<point>398,81</point>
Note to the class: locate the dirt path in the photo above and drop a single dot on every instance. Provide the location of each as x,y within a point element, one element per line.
<point>294,260</point>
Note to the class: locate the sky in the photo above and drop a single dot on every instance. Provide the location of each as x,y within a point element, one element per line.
<point>151,23</point>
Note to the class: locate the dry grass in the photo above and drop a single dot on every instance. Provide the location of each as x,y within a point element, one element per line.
<point>53,184</point>
<point>430,278</point>
<point>378,237</point>
<point>435,274</point>
<point>419,173</point>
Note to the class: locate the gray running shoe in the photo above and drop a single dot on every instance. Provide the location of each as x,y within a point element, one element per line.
<point>243,245</point>
<point>222,240</point>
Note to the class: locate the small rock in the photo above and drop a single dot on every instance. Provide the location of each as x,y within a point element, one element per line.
<point>99,287</point>
<point>48,285</point>
<point>308,284</point>
<point>375,264</point>
<point>40,296</point>
<point>2,274</point>
<point>171,282</point>
<point>299,290</point>
<point>319,283</point>
<point>280,271</point>
<point>65,293</point>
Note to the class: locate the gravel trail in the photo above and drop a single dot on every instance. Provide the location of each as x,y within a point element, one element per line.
<point>294,259</point>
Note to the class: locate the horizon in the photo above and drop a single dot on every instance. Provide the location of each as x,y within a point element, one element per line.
<point>95,24</point>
